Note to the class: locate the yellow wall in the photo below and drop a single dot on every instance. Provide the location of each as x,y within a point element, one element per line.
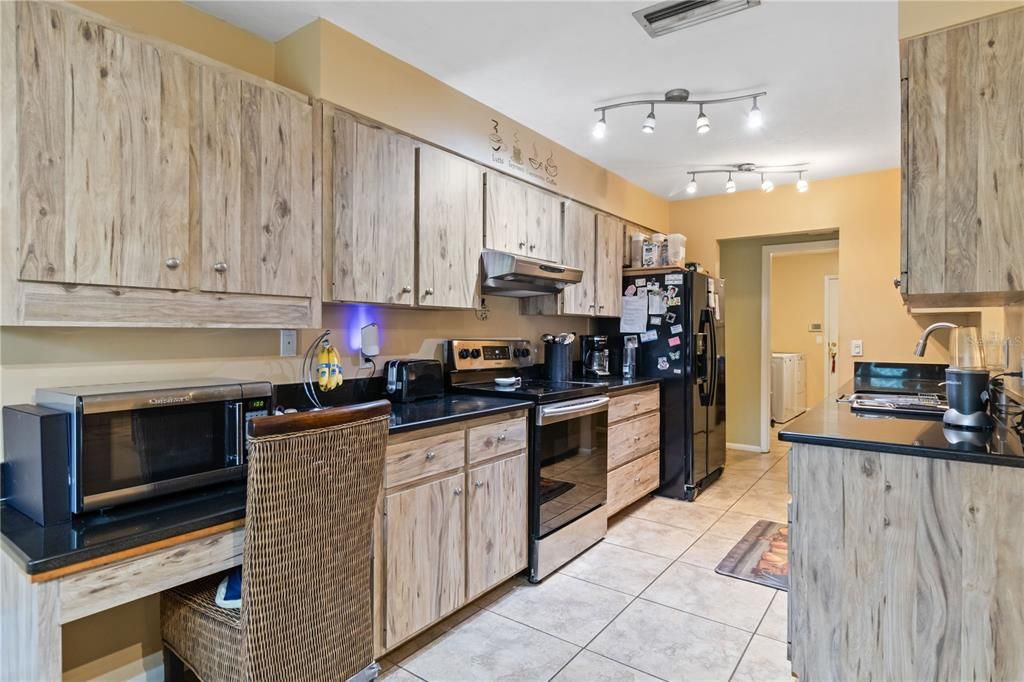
<point>923,16</point>
<point>797,300</point>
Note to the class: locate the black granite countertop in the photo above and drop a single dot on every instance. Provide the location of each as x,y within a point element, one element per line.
<point>452,407</point>
<point>616,384</point>
<point>37,548</point>
<point>834,424</point>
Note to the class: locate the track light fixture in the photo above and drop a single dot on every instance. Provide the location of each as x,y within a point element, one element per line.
<point>703,124</point>
<point>649,122</point>
<point>767,185</point>
<point>681,96</point>
<point>755,119</point>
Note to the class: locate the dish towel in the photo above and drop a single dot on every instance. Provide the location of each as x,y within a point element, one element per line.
<point>229,592</point>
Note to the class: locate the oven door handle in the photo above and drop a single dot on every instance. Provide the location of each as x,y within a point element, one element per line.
<point>581,408</point>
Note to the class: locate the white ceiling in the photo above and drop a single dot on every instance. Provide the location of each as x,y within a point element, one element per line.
<point>830,68</point>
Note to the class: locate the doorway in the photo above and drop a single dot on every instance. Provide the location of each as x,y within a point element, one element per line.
<point>799,323</point>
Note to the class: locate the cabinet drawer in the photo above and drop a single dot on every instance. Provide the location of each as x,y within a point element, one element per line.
<point>628,440</point>
<point>631,404</point>
<point>422,457</point>
<point>629,483</point>
<point>498,438</point>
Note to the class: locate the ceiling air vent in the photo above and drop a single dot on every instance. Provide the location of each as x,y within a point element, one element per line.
<point>666,17</point>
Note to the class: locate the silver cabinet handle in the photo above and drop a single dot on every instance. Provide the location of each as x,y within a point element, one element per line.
<point>522,245</point>
<point>592,306</point>
<point>533,247</point>
<point>431,455</point>
<point>501,436</point>
<point>636,480</point>
<point>220,266</point>
<point>600,307</point>
<point>457,491</point>
<point>428,292</point>
<point>406,290</point>
<point>478,484</point>
<point>636,404</point>
<point>172,263</point>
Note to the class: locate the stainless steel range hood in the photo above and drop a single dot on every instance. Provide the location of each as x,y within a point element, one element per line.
<point>509,274</point>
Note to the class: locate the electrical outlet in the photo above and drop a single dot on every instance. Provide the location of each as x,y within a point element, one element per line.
<point>857,348</point>
<point>288,343</point>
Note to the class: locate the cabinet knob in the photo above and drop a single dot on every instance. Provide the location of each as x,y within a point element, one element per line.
<point>636,480</point>
<point>636,404</point>
<point>431,455</point>
<point>478,484</point>
<point>600,307</point>
<point>522,245</point>
<point>636,439</point>
<point>592,306</point>
<point>501,437</point>
<point>428,292</point>
<point>533,247</point>
<point>406,290</point>
<point>457,491</point>
<point>172,263</point>
<point>220,266</point>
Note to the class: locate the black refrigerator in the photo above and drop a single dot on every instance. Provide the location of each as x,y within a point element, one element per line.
<point>683,343</point>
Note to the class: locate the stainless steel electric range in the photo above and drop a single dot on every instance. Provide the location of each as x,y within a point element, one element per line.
<point>568,450</point>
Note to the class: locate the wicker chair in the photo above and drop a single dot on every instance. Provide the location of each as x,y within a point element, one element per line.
<point>306,608</point>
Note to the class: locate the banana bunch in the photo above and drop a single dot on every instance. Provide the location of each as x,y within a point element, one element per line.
<point>329,373</point>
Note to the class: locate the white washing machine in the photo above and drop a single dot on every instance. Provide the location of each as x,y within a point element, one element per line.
<point>789,386</point>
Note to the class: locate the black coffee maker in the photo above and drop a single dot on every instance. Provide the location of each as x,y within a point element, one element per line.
<point>596,355</point>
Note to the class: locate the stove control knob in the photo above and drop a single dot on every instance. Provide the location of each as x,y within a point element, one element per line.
<point>464,353</point>
<point>525,352</point>
<point>515,352</point>
<point>475,353</point>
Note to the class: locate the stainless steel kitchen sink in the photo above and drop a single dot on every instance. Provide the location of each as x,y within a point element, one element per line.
<point>906,404</point>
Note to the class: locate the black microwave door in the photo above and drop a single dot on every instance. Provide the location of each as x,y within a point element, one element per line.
<point>122,450</point>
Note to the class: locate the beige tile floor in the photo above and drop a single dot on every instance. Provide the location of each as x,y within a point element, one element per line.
<point>643,604</point>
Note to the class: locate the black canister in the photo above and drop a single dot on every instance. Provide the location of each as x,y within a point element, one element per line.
<point>558,361</point>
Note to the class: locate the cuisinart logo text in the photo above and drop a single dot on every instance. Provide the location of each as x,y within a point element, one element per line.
<point>172,400</point>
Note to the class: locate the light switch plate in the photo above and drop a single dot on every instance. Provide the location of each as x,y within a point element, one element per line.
<point>857,348</point>
<point>288,343</point>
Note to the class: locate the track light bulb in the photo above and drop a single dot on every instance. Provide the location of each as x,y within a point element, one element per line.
<point>755,119</point>
<point>766,185</point>
<point>730,185</point>
<point>801,184</point>
<point>599,128</point>
<point>703,123</point>
<point>649,122</point>
<point>691,188</point>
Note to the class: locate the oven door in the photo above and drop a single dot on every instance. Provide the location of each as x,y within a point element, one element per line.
<point>570,467</point>
<point>131,454</point>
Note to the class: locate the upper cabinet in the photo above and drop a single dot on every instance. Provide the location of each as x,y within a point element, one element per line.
<point>522,219</point>
<point>451,229</point>
<point>963,164</point>
<point>608,269</point>
<point>149,187</point>
<point>369,177</point>
<point>578,251</point>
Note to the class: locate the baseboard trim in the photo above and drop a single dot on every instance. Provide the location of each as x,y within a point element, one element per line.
<point>744,447</point>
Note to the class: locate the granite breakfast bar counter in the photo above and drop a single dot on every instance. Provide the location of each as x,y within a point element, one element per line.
<point>905,552</point>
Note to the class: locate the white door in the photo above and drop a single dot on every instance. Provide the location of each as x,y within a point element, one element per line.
<point>831,334</point>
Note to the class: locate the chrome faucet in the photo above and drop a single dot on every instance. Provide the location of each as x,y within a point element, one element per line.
<point>923,341</point>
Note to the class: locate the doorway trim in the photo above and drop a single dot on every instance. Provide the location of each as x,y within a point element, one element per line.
<point>830,281</point>
<point>767,251</point>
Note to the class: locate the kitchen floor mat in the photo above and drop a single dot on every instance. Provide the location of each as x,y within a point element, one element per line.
<point>761,556</point>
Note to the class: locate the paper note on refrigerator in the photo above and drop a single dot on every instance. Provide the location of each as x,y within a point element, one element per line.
<point>674,278</point>
<point>649,335</point>
<point>673,341</point>
<point>656,304</point>
<point>634,315</point>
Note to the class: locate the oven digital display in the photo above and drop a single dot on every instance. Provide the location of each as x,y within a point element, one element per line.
<point>496,353</point>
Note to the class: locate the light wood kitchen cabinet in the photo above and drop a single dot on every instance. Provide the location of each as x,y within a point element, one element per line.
<point>634,445</point>
<point>451,522</point>
<point>369,211</point>
<point>608,267</point>
<point>963,164</point>
<point>425,546</point>
<point>522,219</point>
<point>497,528</point>
<point>149,186</point>
<point>579,245</point>
<point>451,230</point>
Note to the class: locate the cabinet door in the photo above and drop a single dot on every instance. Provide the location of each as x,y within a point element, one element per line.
<point>544,225</point>
<point>497,530</point>
<point>506,225</point>
<point>578,250</point>
<point>609,266</point>
<point>103,153</point>
<point>451,230</point>
<point>254,149</point>
<point>424,538</point>
<point>374,221</point>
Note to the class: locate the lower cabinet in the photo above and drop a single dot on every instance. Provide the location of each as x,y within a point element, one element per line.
<point>452,522</point>
<point>634,446</point>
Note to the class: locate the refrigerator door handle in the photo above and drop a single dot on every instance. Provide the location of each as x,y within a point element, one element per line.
<point>713,370</point>
<point>704,358</point>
